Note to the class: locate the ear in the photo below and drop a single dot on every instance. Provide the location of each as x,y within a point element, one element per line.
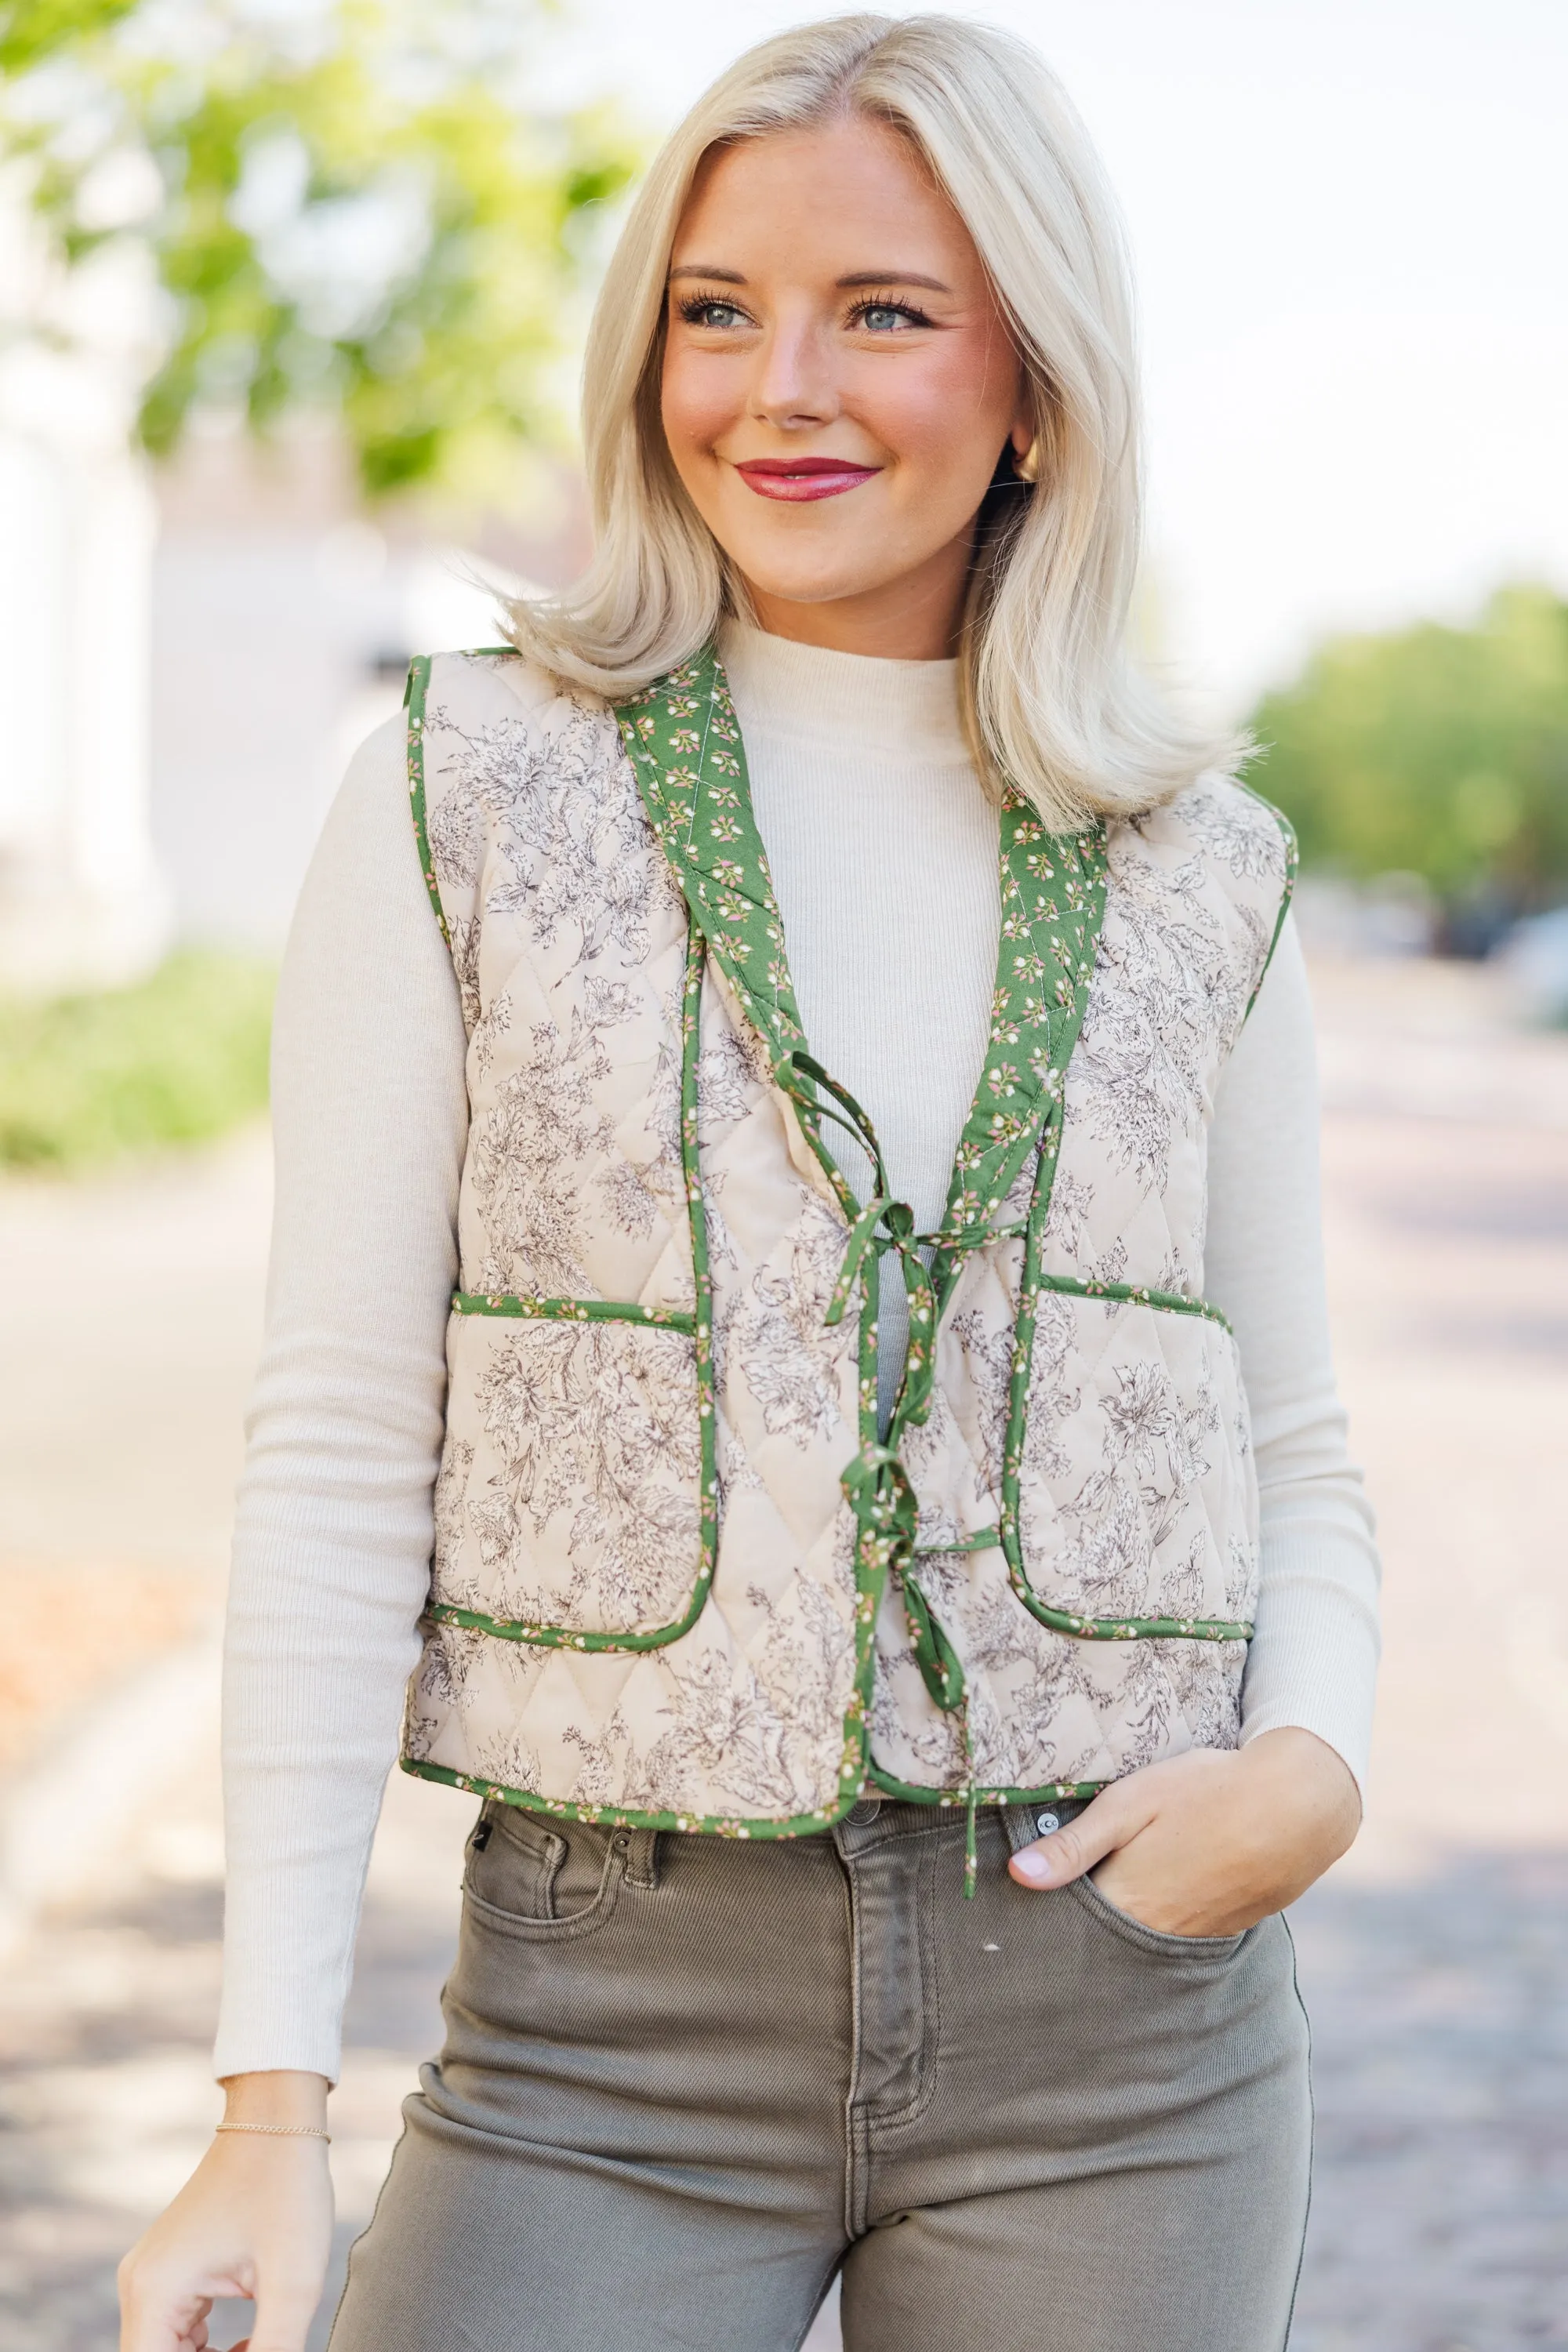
<point>1024,443</point>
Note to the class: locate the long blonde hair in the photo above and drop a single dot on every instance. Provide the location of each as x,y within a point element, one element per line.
<point>1050,696</point>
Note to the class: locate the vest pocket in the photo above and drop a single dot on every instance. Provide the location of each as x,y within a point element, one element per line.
<point>1129,1504</point>
<point>571,1501</point>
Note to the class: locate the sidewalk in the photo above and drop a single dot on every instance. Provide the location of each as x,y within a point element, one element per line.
<point>1435,1960</point>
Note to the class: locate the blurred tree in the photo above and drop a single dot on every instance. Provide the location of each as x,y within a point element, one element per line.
<point>349,206</point>
<point>1438,751</point>
<point>32,30</point>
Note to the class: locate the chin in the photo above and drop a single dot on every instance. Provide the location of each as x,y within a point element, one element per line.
<point>821,585</point>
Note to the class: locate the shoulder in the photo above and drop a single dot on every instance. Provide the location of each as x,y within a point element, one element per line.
<point>1214,865</point>
<point>1239,834</point>
<point>487,729</point>
<point>508,767</point>
<point>495,687</point>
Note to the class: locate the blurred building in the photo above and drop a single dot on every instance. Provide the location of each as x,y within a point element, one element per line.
<point>283,619</point>
<point>81,899</point>
<point>188,655</point>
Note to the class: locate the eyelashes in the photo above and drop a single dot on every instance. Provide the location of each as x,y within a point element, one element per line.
<point>693,308</point>
<point>900,309</point>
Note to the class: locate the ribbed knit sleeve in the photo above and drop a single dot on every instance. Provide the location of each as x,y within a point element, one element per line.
<point>332,1546</point>
<point>1313,1659</point>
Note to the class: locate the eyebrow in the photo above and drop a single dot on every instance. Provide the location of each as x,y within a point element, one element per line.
<point>857,278</point>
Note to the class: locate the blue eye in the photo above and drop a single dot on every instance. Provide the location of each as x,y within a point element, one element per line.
<point>888,318</point>
<point>703,312</point>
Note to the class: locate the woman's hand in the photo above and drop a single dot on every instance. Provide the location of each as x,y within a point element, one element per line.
<point>1209,1843</point>
<point>254,2219</point>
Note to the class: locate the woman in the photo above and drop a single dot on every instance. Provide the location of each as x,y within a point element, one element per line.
<point>760,1150</point>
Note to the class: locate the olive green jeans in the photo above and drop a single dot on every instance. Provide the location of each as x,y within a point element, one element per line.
<point>688,2080</point>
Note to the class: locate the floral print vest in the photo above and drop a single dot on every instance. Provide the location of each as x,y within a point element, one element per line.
<point>680,1579</point>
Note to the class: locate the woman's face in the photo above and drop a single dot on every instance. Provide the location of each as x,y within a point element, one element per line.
<point>837,385</point>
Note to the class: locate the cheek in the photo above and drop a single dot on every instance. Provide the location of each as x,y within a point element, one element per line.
<point>698,393</point>
<point>953,412</point>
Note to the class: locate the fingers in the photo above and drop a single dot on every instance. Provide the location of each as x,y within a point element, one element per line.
<point>1106,1823</point>
<point>156,2315</point>
<point>283,2316</point>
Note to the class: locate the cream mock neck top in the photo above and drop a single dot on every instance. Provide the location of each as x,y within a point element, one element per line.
<point>894,983</point>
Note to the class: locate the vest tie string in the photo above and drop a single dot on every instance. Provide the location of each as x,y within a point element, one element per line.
<point>876,1483</point>
<point>885,1224</point>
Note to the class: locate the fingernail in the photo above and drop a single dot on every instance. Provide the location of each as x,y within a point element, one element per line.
<point>1033,1865</point>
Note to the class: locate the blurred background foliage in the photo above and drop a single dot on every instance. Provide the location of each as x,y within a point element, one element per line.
<point>353,209</point>
<point>350,208</point>
<point>1433,751</point>
<point>177,1059</point>
<point>357,208</point>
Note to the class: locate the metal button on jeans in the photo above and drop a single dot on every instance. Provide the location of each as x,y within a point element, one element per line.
<point>1048,1821</point>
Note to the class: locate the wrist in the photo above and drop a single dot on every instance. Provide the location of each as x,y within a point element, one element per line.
<point>277,2095</point>
<point>1305,1773</point>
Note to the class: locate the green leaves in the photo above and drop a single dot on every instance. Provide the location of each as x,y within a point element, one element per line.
<point>177,1058</point>
<point>33,30</point>
<point>1433,751</point>
<point>355,213</point>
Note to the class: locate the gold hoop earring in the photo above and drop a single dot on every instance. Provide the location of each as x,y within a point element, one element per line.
<point>1027,467</point>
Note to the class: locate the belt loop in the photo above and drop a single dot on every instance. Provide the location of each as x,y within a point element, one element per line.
<point>1019,1822</point>
<point>1025,1823</point>
<point>642,1858</point>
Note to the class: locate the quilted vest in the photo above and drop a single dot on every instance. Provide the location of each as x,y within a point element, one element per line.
<point>680,1579</point>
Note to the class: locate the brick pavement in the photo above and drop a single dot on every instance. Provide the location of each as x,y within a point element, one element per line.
<point>1434,1961</point>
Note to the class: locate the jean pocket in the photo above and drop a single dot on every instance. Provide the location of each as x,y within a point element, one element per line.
<point>1195,1949</point>
<point>542,1880</point>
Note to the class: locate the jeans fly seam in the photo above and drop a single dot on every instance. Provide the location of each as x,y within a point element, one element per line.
<point>854,2131</point>
<point>896,2118</point>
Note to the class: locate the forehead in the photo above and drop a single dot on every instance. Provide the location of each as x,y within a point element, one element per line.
<point>823,197</point>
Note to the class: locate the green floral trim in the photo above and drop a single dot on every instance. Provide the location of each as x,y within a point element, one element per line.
<point>672,1319</point>
<point>414,693</point>
<point>700,1324</point>
<point>1053,1792</point>
<point>571,1310</point>
<point>683,739</point>
<point>732,1825</point>
<point>1065,1621</point>
<point>559,1637</point>
<point>1053,909</point>
<point>701,1275</point>
<point>1293,859</point>
<point>871,1558</point>
<point>1131,1293</point>
<point>629,1817</point>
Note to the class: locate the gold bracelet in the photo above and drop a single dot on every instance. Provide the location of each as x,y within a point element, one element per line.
<point>283,2131</point>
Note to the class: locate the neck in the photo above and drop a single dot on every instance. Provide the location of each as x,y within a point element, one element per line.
<point>815,694</point>
<point>917,618</point>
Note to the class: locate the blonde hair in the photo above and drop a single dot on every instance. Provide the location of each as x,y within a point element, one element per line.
<point>1050,696</point>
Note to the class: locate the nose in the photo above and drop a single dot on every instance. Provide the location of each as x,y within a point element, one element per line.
<point>794,385</point>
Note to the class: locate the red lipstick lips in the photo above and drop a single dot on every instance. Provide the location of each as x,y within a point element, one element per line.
<point>799,478</point>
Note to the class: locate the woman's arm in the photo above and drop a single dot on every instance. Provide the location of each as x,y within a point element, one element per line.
<point>1212,1841</point>
<point>333,1545</point>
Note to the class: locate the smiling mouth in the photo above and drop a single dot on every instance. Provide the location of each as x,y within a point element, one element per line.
<point>799,478</point>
